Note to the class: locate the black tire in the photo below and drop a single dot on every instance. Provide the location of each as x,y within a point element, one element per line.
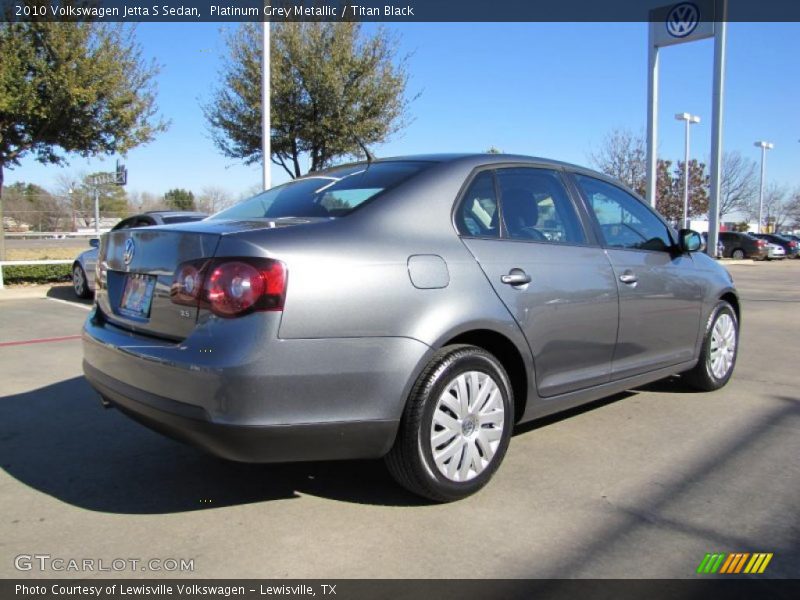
<point>411,461</point>
<point>738,254</point>
<point>79,284</point>
<point>702,376</point>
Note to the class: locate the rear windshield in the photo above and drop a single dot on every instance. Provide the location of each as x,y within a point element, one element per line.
<point>334,193</point>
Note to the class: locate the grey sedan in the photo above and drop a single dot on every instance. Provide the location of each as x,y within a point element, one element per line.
<point>412,308</point>
<point>83,269</point>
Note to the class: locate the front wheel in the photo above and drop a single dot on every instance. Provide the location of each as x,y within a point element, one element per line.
<point>718,354</point>
<point>456,425</point>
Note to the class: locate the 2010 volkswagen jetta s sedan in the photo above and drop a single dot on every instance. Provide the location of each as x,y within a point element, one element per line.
<point>412,308</point>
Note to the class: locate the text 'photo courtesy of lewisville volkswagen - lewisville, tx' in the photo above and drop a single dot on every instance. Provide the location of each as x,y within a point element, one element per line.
<point>430,299</point>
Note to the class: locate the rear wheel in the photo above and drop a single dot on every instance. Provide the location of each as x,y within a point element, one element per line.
<point>456,426</point>
<point>79,283</point>
<point>737,254</point>
<point>718,354</point>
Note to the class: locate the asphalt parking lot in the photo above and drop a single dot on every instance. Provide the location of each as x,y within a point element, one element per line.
<point>640,485</point>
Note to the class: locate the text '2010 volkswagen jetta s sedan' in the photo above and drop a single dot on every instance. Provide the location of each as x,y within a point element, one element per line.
<point>411,308</point>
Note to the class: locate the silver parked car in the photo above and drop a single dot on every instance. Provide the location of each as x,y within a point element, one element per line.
<point>413,308</point>
<point>83,269</point>
<point>775,252</point>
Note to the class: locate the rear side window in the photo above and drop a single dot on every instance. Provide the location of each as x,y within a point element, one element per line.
<point>125,224</point>
<point>624,221</point>
<point>182,219</point>
<point>334,193</point>
<point>536,207</point>
<point>477,215</point>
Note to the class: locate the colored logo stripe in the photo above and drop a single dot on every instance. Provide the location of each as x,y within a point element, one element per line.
<point>734,563</point>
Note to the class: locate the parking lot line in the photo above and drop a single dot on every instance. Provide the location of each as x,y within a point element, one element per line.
<point>68,303</point>
<point>63,338</point>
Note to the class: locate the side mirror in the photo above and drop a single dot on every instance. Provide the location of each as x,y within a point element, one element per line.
<point>689,241</point>
<point>94,243</point>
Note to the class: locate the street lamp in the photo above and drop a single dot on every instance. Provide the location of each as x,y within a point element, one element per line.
<point>689,119</point>
<point>764,147</point>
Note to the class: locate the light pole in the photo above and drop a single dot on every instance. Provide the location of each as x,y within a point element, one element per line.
<point>764,147</point>
<point>689,119</point>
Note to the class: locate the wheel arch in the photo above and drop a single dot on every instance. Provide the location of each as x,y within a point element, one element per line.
<point>732,299</point>
<point>509,355</point>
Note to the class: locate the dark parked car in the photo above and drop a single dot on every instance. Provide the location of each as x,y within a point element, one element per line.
<point>790,246</point>
<point>796,238</point>
<point>742,245</point>
<point>410,308</point>
<point>83,268</point>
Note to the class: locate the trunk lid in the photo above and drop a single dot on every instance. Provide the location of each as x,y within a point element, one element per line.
<point>151,256</point>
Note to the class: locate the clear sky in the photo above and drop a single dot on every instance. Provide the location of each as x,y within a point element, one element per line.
<point>546,89</point>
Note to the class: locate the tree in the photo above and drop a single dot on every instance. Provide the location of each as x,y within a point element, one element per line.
<point>494,150</point>
<point>670,190</point>
<point>776,209</point>
<point>738,183</point>
<point>623,155</point>
<point>213,199</point>
<point>30,206</point>
<point>334,91</point>
<point>793,209</point>
<point>179,199</point>
<point>145,201</point>
<point>72,88</point>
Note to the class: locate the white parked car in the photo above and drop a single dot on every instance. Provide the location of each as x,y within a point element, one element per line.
<point>775,252</point>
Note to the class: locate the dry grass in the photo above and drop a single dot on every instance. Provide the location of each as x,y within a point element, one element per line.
<point>59,253</point>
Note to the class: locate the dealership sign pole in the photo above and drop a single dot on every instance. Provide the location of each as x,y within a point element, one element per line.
<point>677,24</point>
<point>266,142</point>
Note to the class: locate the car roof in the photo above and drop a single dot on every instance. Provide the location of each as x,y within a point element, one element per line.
<point>479,159</point>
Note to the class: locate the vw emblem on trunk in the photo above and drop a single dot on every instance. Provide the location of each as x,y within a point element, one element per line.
<point>682,20</point>
<point>130,249</point>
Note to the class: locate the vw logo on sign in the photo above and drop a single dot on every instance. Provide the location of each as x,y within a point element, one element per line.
<point>683,19</point>
<point>130,249</point>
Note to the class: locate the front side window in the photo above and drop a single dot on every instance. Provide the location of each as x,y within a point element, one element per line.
<point>624,221</point>
<point>536,207</point>
<point>333,193</point>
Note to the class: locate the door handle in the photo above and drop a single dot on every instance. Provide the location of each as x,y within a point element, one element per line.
<point>516,277</point>
<point>628,277</point>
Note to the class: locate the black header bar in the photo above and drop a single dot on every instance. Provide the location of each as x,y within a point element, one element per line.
<point>394,11</point>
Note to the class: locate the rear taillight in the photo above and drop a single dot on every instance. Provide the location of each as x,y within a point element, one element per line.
<point>231,287</point>
<point>761,243</point>
<point>792,244</point>
<point>187,283</point>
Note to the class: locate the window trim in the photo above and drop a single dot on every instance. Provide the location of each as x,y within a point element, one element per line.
<point>591,239</point>
<point>572,175</point>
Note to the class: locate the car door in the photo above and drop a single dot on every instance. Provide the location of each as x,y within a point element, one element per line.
<point>540,261</point>
<point>660,291</point>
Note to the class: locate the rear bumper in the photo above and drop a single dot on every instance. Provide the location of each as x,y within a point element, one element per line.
<point>255,443</point>
<point>263,399</point>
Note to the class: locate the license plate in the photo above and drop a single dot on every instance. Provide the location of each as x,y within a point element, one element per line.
<point>138,295</point>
